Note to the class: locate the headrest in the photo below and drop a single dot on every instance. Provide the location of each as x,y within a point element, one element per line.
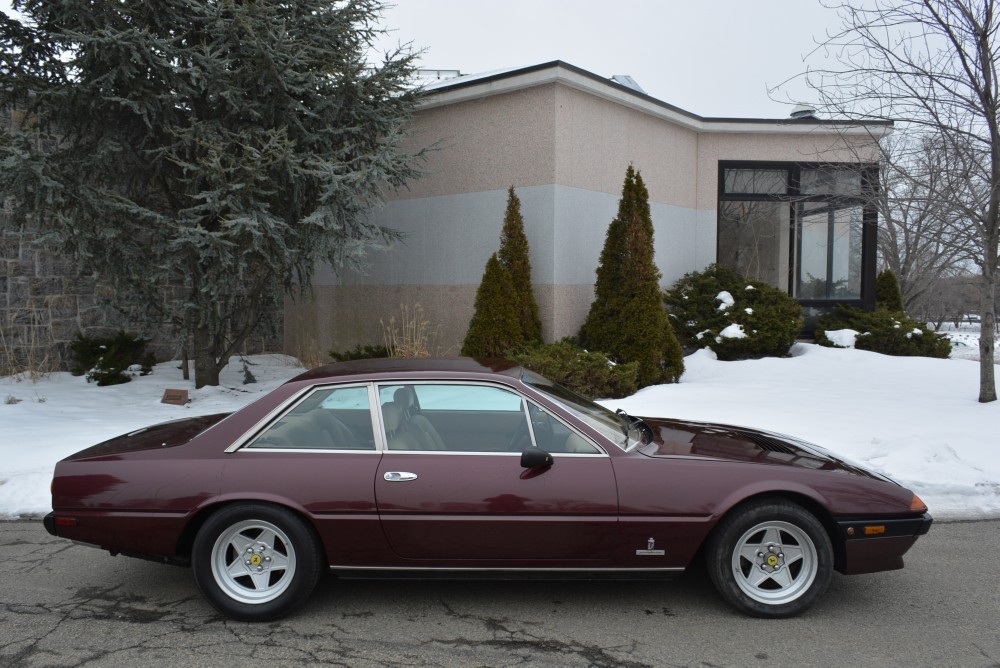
<point>391,415</point>
<point>404,397</point>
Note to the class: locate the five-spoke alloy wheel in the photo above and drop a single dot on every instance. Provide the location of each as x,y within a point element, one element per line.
<point>770,558</point>
<point>256,562</point>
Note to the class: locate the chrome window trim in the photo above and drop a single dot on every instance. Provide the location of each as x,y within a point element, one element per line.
<point>525,399</point>
<point>286,406</point>
<point>316,450</point>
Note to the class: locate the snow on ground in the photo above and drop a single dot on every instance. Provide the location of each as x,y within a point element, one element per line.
<point>915,419</point>
<point>61,414</point>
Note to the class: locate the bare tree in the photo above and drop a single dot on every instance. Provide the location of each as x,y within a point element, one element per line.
<point>932,64</point>
<point>918,239</point>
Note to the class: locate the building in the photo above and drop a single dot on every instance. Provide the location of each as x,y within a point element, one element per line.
<point>782,201</point>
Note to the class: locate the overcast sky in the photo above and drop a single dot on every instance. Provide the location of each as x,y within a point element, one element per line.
<point>713,58</point>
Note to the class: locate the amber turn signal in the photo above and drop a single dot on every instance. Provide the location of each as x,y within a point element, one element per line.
<point>917,505</point>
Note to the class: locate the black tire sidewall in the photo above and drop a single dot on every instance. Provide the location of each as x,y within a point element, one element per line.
<point>723,542</point>
<point>308,561</point>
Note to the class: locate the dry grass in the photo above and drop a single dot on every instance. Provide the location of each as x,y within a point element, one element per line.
<point>24,357</point>
<point>410,335</point>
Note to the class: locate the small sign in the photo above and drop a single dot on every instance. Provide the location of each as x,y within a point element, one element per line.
<point>175,397</point>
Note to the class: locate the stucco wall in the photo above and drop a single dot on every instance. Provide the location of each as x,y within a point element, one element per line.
<point>565,151</point>
<point>486,144</point>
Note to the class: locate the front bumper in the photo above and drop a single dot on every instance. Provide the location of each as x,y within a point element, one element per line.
<point>872,545</point>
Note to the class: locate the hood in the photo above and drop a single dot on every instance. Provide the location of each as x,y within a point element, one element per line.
<point>719,441</point>
<point>163,435</point>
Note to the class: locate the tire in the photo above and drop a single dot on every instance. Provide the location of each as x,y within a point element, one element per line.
<point>256,562</point>
<point>770,558</point>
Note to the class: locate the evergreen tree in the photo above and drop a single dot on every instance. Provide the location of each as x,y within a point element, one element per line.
<point>213,151</point>
<point>888,294</point>
<point>627,319</point>
<point>515,257</point>
<point>494,329</point>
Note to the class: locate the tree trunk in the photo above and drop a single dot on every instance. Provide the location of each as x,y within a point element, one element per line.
<point>987,336</point>
<point>206,367</point>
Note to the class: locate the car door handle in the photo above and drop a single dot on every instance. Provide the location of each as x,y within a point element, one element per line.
<point>399,476</point>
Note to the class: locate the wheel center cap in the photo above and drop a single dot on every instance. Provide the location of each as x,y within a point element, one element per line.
<point>256,560</point>
<point>772,560</point>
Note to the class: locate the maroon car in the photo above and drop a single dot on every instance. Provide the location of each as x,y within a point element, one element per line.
<point>459,465</point>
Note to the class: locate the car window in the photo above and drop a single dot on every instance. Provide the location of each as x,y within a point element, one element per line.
<point>553,436</point>
<point>471,418</point>
<point>453,417</point>
<point>328,419</point>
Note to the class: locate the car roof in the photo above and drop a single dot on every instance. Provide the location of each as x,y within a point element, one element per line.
<point>418,367</point>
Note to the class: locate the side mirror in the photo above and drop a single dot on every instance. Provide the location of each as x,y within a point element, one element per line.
<point>533,458</point>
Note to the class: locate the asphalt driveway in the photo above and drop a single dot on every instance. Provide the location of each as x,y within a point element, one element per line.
<point>68,605</point>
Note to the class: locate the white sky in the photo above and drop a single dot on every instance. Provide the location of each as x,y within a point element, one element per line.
<point>713,58</point>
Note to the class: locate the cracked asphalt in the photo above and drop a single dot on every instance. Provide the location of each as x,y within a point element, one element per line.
<point>67,605</point>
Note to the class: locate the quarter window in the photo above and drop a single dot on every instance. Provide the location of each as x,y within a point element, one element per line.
<point>328,419</point>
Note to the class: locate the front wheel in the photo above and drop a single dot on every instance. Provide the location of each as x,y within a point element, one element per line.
<point>256,562</point>
<point>770,558</point>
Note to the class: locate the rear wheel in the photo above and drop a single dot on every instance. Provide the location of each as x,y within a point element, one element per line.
<point>256,562</point>
<point>770,558</point>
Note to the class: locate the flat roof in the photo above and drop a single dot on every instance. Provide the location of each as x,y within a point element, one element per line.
<point>476,86</point>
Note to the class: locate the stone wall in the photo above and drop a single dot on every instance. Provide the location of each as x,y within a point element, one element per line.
<point>44,304</point>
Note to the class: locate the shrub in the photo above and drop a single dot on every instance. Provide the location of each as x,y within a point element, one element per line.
<point>515,256</point>
<point>882,331</point>
<point>495,327</point>
<point>888,296</point>
<point>591,374</point>
<point>112,360</point>
<point>735,317</point>
<point>360,352</point>
<point>627,320</point>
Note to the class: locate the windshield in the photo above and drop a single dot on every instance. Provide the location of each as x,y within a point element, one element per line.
<point>615,427</point>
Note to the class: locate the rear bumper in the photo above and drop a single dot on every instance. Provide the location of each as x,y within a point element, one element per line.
<point>872,545</point>
<point>50,523</point>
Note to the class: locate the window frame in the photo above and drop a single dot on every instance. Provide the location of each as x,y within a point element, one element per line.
<point>245,442</point>
<point>793,196</point>
<point>382,441</point>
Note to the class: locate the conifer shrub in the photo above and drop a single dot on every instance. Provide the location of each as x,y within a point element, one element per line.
<point>590,374</point>
<point>735,317</point>
<point>360,352</point>
<point>627,320</point>
<point>495,328</point>
<point>515,256</point>
<point>883,331</point>
<point>111,360</point>
<point>888,295</point>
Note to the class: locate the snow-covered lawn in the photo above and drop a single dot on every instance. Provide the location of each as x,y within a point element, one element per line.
<point>915,419</point>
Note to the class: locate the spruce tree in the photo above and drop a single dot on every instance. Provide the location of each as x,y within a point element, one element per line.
<point>515,257</point>
<point>627,320</point>
<point>215,152</point>
<point>888,296</point>
<point>494,329</point>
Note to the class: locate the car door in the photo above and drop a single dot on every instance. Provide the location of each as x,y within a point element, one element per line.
<point>461,493</point>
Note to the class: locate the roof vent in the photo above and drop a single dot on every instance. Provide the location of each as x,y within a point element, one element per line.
<point>803,111</point>
<point>425,74</point>
<point>628,82</point>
